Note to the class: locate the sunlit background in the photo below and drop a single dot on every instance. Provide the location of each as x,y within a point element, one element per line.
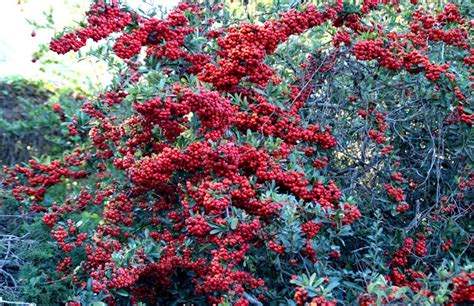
<point>17,22</point>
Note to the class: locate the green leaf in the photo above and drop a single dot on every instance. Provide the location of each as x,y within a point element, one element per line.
<point>215,231</point>
<point>353,286</point>
<point>122,292</point>
<point>332,285</point>
<point>233,223</point>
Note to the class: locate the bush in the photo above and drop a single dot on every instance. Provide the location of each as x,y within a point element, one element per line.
<point>34,121</point>
<point>32,117</point>
<point>320,155</point>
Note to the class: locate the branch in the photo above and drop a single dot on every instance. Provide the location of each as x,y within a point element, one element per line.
<point>252,299</point>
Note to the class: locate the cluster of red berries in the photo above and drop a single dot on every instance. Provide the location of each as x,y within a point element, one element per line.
<point>102,20</point>
<point>463,290</point>
<point>163,38</point>
<point>301,297</point>
<point>244,48</point>
<point>401,255</point>
<point>409,50</point>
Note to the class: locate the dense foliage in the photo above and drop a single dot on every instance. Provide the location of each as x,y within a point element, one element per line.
<point>30,124</point>
<point>305,155</point>
<point>33,124</point>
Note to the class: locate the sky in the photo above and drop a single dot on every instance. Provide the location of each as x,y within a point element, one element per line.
<point>17,45</point>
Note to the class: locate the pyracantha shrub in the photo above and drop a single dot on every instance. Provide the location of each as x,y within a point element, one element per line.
<point>322,155</point>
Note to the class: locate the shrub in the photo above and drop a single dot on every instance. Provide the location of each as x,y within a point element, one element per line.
<point>33,124</point>
<point>321,155</point>
<point>32,117</point>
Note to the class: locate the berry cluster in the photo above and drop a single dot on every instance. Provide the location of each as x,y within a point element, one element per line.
<point>102,20</point>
